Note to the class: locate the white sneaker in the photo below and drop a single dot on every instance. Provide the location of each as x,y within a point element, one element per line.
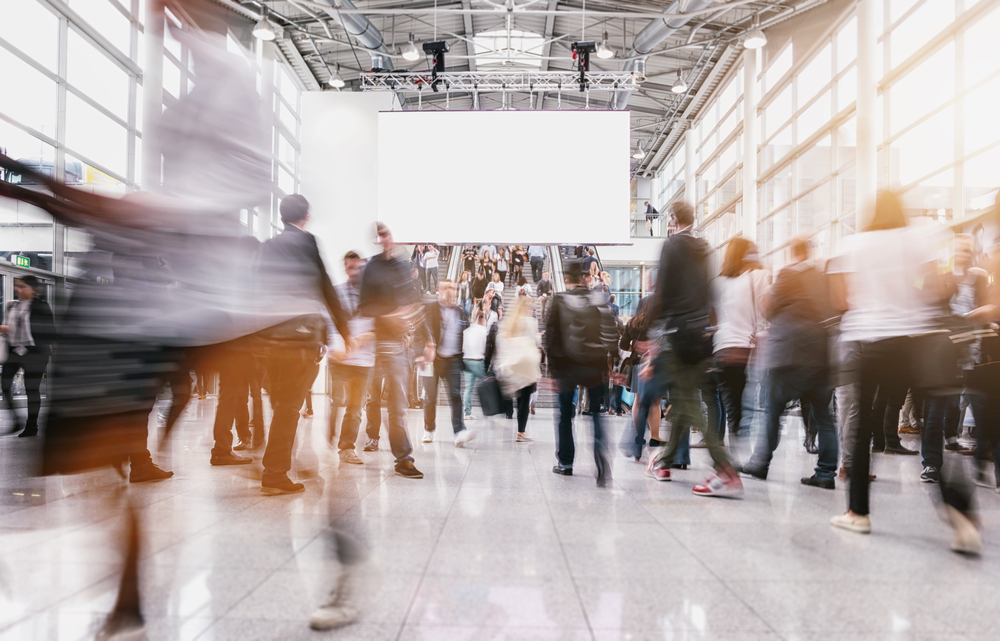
<point>464,437</point>
<point>728,487</point>
<point>967,539</point>
<point>428,436</point>
<point>353,588</point>
<point>852,522</point>
<point>470,417</point>
<point>523,438</point>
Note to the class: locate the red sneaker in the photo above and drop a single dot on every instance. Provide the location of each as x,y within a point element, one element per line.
<point>658,472</point>
<point>727,487</point>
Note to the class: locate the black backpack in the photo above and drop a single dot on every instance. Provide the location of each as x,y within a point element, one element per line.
<point>588,328</point>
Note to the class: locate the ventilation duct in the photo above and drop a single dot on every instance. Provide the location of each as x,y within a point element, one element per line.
<point>361,28</point>
<point>655,32</point>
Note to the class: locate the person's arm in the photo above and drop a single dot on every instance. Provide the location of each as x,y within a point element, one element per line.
<point>779,296</point>
<point>333,306</point>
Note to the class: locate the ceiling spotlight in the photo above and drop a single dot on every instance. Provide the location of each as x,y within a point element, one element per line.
<point>264,29</point>
<point>337,81</point>
<point>754,38</point>
<point>679,86</point>
<point>410,51</point>
<point>603,50</point>
<point>639,152</point>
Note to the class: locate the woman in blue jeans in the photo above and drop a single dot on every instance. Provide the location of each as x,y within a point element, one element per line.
<point>474,349</point>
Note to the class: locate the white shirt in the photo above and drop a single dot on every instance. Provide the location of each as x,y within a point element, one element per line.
<point>881,269</point>
<point>451,321</point>
<point>488,248</point>
<point>738,315</point>
<point>431,259</point>
<point>497,285</point>
<point>526,288</point>
<point>474,342</point>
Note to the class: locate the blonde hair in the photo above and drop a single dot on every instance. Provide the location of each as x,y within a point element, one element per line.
<point>511,324</point>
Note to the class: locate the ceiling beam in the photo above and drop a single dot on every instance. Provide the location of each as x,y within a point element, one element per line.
<point>550,24</point>
<point>469,33</point>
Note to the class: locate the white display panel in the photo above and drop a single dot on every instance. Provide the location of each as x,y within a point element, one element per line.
<point>508,177</point>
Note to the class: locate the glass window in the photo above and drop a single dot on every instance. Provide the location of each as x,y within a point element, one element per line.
<point>778,68</point>
<point>287,119</point>
<point>729,157</point>
<point>731,120</point>
<point>96,75</point>
<point>286,152</point>
<point>730,94</point>
<point>22,146</point>
<point>812,211</point>
<point>776,148</point>
<point>41,41</point>
<point>82,173</point>
<point>920,27</point>
<point>982,48</point>
<point>910,99</point>
<point>932,197</point>
<point>814,117</point>
<point>104,17</point>
<point>288,89</point>
<point>27,96</point>
<point>980,178</point>
<point>815,75</point>
<point>926,147</point>
<point>286,182</point>
<point>847,44</point>
<point>777,229</point>
<point>728,190</point>
<point>847,88</point>
<point>776,191</point>
<point>847,142</point>
<point>813,165</point>
<point>848,194</point>
<point>778,112</point>
<point>171,78</point>
<point>92,134</point>
<point>898,7</point>
<point>982,124</point>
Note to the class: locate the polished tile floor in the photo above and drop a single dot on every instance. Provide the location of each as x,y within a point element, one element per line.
<point>490,545</point>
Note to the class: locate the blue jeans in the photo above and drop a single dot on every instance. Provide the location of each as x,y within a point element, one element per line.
<point>474,372</point>
<point>391,365</point>
<point>940,412</point>
<point>565,441</point>
<point>356,380</point>
<point>812,386</point>
<point>448,368</point>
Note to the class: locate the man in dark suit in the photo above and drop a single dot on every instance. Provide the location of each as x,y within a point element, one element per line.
<point>296,289</point>
<point>30,334</point>
<point>444,325</point>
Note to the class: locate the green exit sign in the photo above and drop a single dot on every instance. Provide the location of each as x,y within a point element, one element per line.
<point>21,261</point>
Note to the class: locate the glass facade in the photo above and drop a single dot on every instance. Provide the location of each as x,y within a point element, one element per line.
<point>72,104</point>
<point>938,140</point>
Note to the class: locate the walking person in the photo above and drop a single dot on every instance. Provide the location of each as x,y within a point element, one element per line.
<point>579,340</point>
<point>651,217</point>
<point>478,287</point>
<point>518,360</point>
<point>798,364</point>
<point>441,337</point>
<point>737,292</point>
<point>545,292</point>
<point>890,318</point>
<point>683,288</point>
<point>431,254</point>
<point>390,298</point>
<point>536,257</point>
<point>30,332</point>
<point>474,351</point>
<point>503,262</point>
<point>465,292</point>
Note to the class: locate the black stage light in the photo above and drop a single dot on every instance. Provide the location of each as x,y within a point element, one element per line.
<point>436,49</point>
<point>581,53</point>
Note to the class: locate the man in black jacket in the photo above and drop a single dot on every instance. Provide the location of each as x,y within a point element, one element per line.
<point>294,283</point>
<point>683,285</point>
<point>30,333</point>
<point>580,337</point>
<point>444,325</point>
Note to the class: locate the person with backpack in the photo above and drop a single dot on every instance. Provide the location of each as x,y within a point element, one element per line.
<point>683,288</point>
<point>580,338</point>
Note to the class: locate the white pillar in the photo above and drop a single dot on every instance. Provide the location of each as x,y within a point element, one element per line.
<point>748,224</point>
<point>265,61</point>
<point>690,166</point>
<point>152,95</point>
<point>866,167</point>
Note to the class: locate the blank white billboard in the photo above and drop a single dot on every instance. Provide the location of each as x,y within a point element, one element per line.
<point>505,177</point>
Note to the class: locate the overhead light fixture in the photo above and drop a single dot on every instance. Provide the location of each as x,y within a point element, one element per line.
<point>603,50</point>
<point>264,29</point>
<point>754,38</point>
<point>410,51</point>
<point>639,152</point>
<point>679,86</point>
<point>337,81</point>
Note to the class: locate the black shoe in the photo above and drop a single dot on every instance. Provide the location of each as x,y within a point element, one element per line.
<point>679,466</point>
<point>878,449</point>
<point>954,447</point>
<point>407,470</point>
<point>564,470</point>
<point>900,450</point>
<point>604,480</point>
<point>242,445</point>
<point>28,431</point>
<point>230,459</point>
<point>930,475</point>
<point>810,444</point>
<point>147,472</point>
<point>758,473</point>
<point>371,445</point>
<point>284,486</point>
<point>826,484</point>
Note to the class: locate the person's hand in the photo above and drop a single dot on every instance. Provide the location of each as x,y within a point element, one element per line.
<point>429,354</point>
<point>646,371</point>
<point>643,346</point>
<point>4,329</point>
<point>336,355</point>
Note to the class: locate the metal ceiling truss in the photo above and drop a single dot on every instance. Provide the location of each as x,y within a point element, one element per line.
<point>509,81</point>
